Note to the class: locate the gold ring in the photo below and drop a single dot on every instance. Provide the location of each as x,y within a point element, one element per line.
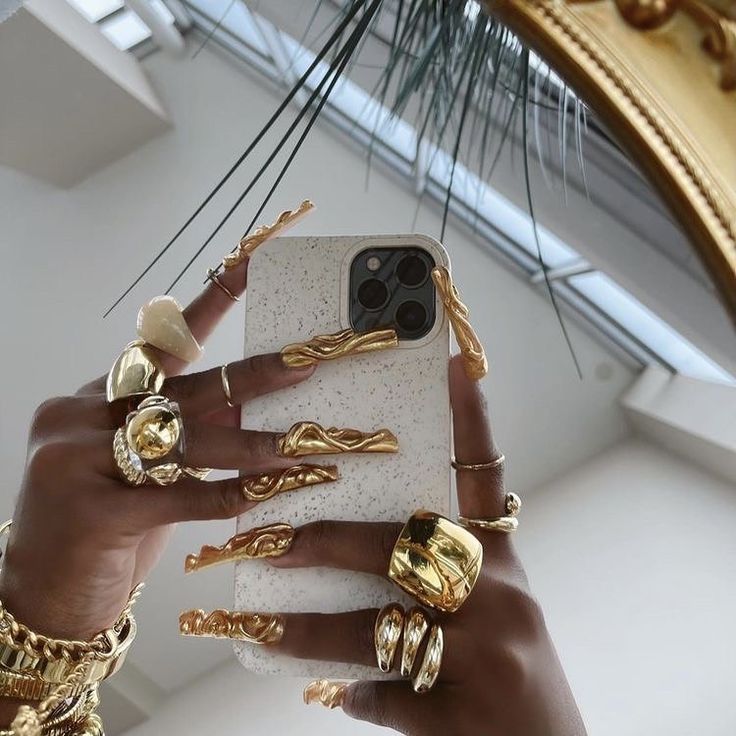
<point>429,670</point>
<point>507,524</point>
<point>500,460</point>
<point>436,561</point>
<point>129,473</point>
<point>415,629</point>
<point>226,386</point>
<point>386,635</point>
<point>214,277</point>
<point>136,372</point>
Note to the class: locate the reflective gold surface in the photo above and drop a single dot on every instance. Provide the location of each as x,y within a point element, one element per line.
<point>507,524</point>
<point>249,243</point>
<point>474,356</point>
<point>154,431</point>
<point>436,561</point>
<point>337,345</point>
<point>324,692</point>
<point>161,323</point>
<point>265,541</point>
<point>136,372</point>
<point>254,628</point>
<point>309,438</point>
<point>129,473</point>
<point>386,635</point>
<point>265,486</point>
<point>415,629</point>
<point>431,665</point>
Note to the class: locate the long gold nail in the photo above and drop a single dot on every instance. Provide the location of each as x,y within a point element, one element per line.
<point>327,693</point>
<point>309,438</point>
<point>265,486</point>
<point>273,540</point>
<point>249,243</point>
<point>475,361</point>
<point>254,628</point>
<point>337,345</point>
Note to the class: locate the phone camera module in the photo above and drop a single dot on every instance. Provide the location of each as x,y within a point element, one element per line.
<point>373,294</point>
<point>411,316</point>
<point>412,271</point>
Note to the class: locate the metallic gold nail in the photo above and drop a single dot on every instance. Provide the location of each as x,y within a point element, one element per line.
<point>265,486</point>
<point>254,628</point>
<point>309,438</point>
<point>249,243</point>
<point>475,361</point>
<point>273,540</point>
<point>327,693</point>
<point>337,345</point>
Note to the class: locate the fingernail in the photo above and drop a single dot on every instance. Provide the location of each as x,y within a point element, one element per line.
<point>273,540</point>
<point>162,324</point>
<point>254,628</point>
<point>309,438</point>
<point>327,693</point>
<point>265,486</point>
<point>249,243</point>
<point>474,356</point>
<point>337,345</point>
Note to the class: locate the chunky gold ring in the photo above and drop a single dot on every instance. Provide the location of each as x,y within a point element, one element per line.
<point>136,372</point>
<point>416,627</point>
<point>132,475</point>
<point>387,633</point>
<point>226,386</point>
<point>436,561</point>
<point>500,460</point>
<point>507,524</point>
<point>431,665</point>
<point>214,277</point>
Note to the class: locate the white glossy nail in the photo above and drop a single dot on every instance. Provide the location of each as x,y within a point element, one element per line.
<point>162,324</point>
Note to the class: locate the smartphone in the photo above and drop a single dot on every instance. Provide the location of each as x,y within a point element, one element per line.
<point>301,287</point>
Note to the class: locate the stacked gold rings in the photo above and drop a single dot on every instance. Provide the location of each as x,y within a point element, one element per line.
<point>508,523</point>
<point>436,561</point>
<point>391,624</point>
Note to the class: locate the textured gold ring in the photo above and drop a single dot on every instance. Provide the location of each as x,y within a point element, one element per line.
<point>436,561</point>
<point>226,386</point>
<point>387,633</point>
<point>507,524</point>
<point>500,460</point>
<point>214,277</point>
<point>129,473</point>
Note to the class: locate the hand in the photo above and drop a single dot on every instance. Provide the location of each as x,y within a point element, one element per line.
<point>500,673</point>
<point>81,539</point>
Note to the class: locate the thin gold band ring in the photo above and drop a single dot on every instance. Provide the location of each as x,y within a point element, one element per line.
<point>215,279</point>
<point>226,386</point>
<point>500,460</point>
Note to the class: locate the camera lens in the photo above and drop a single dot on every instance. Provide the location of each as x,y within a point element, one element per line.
<point>411,316</point>
<point>373,294</point>
<point>412,271</point>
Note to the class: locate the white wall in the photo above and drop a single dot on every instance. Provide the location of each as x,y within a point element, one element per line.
<point>632,556</point>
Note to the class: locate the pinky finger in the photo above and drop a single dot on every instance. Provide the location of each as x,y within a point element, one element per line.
<point>391,705</point>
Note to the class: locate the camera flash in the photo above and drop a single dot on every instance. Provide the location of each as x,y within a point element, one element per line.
<point>373,263</point>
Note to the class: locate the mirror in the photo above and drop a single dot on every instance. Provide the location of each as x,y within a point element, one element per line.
<point>578,161</point>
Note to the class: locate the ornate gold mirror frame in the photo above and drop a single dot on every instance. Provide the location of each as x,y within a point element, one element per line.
<point>662,75</point>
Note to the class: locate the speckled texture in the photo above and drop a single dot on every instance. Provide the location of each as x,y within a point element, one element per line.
<point>297,287</point>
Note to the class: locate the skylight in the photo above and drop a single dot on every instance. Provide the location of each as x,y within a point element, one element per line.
<point>120,24</point>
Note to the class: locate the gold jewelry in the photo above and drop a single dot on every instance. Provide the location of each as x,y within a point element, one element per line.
<point>415,629</point>
<point>226,386</point>
<point>436,561</point>
<point>254,628</point>
<point>130,474</point>
<point>161,323</point>
<point>273,540</point>
<point>429,670</point>
<point>214,277</point>
<point>20,686</point>
<point>267,485</point>
<point>500,460</point>
<point>507,524</point>
<point>136,372</point>
<point>387,633</point>
<point>327,693</point>
<point>249,243</point>
<point>338,345</point>
<point>309,438</point>
<point>474,356</point>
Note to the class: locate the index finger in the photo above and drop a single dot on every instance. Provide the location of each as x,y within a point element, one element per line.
<point>480,492</point>
<point>202,316</point>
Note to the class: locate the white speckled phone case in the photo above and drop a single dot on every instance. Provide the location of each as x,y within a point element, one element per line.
<point>297,288</point>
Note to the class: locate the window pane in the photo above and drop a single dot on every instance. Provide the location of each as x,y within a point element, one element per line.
<point>95,10</point>
<point>126,30</point>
